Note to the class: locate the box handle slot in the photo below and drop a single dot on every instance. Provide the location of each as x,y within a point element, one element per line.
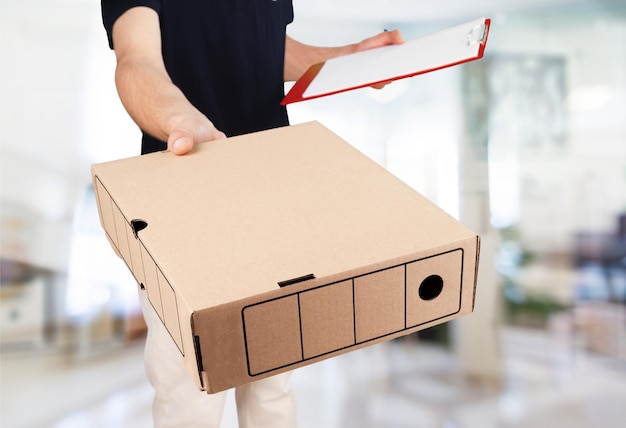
<point>296,280</point>
<point>138,225</point>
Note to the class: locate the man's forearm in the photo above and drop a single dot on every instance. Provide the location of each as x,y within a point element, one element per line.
<point>150,98</point>
<point>153,101</point>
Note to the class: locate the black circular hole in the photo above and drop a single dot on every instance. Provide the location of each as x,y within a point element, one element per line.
<point>431,287</point>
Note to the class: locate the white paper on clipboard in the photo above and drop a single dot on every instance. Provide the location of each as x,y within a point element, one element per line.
<point>446,48</point>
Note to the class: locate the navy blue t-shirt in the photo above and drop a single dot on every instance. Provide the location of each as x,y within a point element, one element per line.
<point>227,57</point>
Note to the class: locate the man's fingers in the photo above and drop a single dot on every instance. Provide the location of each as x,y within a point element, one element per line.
<point>217,135</point>
<point>382,85</point>
<point>393,37</point>
<point>385,38</point>
<point>181,141</point>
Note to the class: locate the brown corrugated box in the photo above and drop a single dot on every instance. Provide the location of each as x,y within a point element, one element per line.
<point>270,251</point>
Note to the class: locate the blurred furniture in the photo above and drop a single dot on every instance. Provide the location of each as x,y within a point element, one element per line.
<point>24,309</point>
<point>604,253</point>
<point>602,328</point>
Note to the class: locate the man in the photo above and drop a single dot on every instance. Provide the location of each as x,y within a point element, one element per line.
<point>189,72</point>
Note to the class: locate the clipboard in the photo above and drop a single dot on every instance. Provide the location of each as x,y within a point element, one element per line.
<point>446,48</point>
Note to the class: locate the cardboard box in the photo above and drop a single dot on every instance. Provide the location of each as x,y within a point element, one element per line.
<point>270,251</point>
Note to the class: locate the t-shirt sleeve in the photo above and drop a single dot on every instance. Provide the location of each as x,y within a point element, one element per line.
<point>113,9</point>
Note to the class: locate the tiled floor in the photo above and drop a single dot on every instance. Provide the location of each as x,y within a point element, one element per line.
<point>400,384</point>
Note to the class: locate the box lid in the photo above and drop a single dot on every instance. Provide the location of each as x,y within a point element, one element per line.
<point>236,217</point>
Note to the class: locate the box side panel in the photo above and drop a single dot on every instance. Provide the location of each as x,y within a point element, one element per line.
<point>379,303</point>
<point>151,282</point>
<point>327,319</point>
<point>192,358</point>
<point>433,287</point>
<point>272,334</point>
<point>220,347</point>
<point>123,230</point>
<point>170,310</point>
<point>477,262</point>
<point>136,259</point>
<point>119,231</point>
<point>268,336</point>
<point>105,209</point>
<point>125,237</point>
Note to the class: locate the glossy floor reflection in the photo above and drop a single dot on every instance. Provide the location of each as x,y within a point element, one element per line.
<point>399,384</point>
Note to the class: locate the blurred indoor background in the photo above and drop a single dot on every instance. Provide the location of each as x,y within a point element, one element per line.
<point>527,147</point>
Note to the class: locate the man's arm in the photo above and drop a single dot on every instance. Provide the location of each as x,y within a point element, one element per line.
<point>299,56</point>
<point>146,90</point>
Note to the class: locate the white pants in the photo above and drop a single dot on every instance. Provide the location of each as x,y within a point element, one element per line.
<point>178,403</point>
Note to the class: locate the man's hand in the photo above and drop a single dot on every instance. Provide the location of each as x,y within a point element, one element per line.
<point>383,39</point>
<point>299,56</point>
<point>190,131</point>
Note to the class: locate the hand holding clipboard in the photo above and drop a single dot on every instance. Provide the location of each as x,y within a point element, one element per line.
<point>446,48</point>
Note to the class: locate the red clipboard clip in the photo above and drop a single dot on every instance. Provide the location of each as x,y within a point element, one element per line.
<point>478,34</point>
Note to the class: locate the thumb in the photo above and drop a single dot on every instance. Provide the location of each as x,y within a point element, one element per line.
<point>180,142</point>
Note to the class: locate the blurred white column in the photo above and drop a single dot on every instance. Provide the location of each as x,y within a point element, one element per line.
<point>475,337</point>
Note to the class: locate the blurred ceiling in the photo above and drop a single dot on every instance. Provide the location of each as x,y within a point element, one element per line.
<point>421,11</point>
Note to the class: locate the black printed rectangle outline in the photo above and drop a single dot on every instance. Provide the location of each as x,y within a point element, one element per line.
<point>243,318</point>
<point>115,242</point>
